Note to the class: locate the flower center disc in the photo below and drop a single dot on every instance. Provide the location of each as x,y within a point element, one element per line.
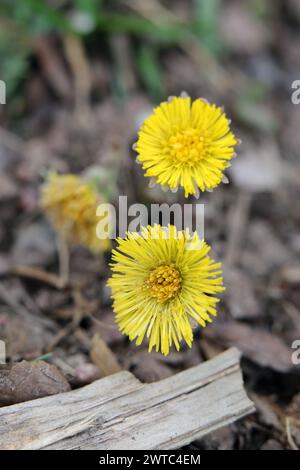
<point>185,147</point>
<point>164,282</point>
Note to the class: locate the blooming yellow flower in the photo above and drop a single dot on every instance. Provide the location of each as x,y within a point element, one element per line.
<point>70,204</point>
<point>187,144</point>
<point>163,281</point>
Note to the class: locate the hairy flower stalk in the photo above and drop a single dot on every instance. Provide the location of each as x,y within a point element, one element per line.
<point>163,282</point>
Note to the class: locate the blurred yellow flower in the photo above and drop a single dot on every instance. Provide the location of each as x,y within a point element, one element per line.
<point>163,281</point>
<point>186,144</point>
<point>70,204</point>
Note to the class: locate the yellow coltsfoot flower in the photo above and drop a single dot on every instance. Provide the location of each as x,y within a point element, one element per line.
<point>186,144</point>
<point>163,282</point>
<point>70,204</point>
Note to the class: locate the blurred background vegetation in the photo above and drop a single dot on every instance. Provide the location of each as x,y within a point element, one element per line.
<point>119,31</point>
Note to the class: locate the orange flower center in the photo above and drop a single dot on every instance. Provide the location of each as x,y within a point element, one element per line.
<point>186,146</point>
<point>164,282</point>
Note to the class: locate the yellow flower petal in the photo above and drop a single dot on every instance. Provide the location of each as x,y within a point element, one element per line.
<point>186,144</point>
<point>160,286</point>
<point>70,205</point>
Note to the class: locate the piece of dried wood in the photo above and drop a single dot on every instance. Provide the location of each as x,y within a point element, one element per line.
<point>119,412</point>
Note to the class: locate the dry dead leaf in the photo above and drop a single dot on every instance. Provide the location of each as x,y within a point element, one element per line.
<point>242,31</point>
<point>23,336</point>
<point>293,433</point>
<point>27,381</point>
<point>105,325</point>
<point>267,411</point>
<point>85,374</point>
<point>148,368</point>
<point>35,245</point>
<point>293,419</point>
<point>103,357</point>
<point>290,134</point>
<point>9,191</point>
<point>272,444</point>
<point>294,7</point>
<point>222,439</point>
<point>258,168</point>
<point>264,250</point>
<point>240,296</point>
<point>294,407</point>
<point>290,273</point>
<point>260,346</point>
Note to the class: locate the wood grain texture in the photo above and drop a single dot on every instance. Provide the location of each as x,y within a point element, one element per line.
<point>119,412</point>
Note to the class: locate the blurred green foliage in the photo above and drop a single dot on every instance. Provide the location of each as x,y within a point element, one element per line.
<point>150,70</point>
<point>207,14</point>
<point>90,17</point>
<point>13,65</point>
<point>251,109</point>
<point>34,16</point>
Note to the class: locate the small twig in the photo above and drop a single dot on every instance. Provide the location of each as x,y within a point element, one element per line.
<point>103,324</point>
<point>12,303</point>
<point>289,436</point>
<point>64,261</point>
<point>121,51</point>
<point>21,310</point>
<point>30,272</point>
<point>80,67</point>
<point>84,339</point>
<point>90,309</point>
<point>78,314</point>
<point>52,66</point>
<point>237,223</point>
<point>66,368</point>
<point>152,10</point>
<point>62,334</point>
